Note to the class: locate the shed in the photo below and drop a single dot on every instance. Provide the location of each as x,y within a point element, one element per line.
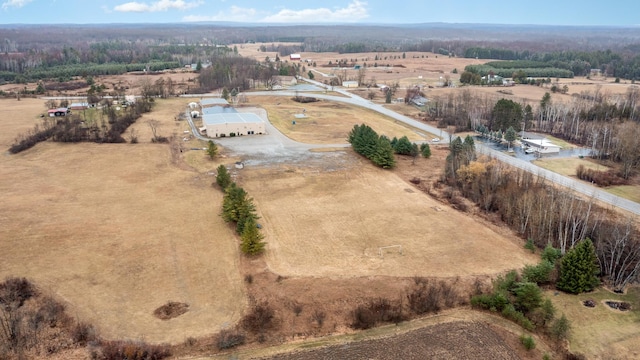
<point>63,111</point>
<point>79,106</point>
<point>294,57</point>
<point>350,84</point>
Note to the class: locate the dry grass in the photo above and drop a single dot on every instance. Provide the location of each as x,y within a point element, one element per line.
<point>328,122</point>
<point>319,224</point>
<point>568,166</point>
<point>117,230</point>
<point>601,332</point>
<point>631,192</point>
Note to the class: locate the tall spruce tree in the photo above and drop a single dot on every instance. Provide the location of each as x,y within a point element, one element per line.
<point>223,178</point>
<point>252,243</point>
<point>579,269</point>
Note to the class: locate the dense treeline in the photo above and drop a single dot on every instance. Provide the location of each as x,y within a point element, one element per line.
<point>66,72</point>
<point>237,72</point>
<point>506,72</point>
<point>523,201</point>
<point>580,63</point>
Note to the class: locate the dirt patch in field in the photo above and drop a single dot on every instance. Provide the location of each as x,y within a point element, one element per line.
<point>171,310</point>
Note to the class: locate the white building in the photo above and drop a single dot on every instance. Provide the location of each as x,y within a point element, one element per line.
<point>228,123</point>
<point>541,145</point>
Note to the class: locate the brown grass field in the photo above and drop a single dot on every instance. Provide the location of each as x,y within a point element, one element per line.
<point>319,224</point>
<point>601,332</point>
<point>568,166</point>
<point>329,122</point>
<point>117,230</point>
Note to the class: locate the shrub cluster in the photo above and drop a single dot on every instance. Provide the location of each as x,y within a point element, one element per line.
<point>118,350</point>
<point>228,339</point>
<point>377,311</point>
<point>600,178</point>
<point>366,142</point>
<point>261,317</point>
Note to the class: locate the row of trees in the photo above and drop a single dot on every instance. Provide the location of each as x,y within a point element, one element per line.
<point>238,208</point>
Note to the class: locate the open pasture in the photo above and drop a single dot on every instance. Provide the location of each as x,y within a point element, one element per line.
<point>328,122</point>
<point>117,230</point>
<point>335,223</point>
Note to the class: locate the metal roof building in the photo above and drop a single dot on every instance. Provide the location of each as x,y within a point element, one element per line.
<point>213,102</point>
<point>232,124</point>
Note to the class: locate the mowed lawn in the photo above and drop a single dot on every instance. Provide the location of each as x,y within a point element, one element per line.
<point>117,230</point>
<point>601,332</point>
<point>328,122</point>
<point>334,224</point>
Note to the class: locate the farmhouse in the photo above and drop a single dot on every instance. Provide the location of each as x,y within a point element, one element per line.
<point>230,123</point>
<point>63,111</point>
<point>539,144</point>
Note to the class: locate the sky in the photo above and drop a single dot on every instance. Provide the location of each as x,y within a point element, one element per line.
<point>539,12</point>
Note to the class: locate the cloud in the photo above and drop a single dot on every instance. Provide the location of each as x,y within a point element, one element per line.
<point>14,3</point>
<point>356,10</point>
<point>162,5</point>
<point>235,13</point>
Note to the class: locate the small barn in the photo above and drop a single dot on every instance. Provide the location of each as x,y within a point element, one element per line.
<point>195,114</point>
<point>63,111</point>
<point>193,105</point>
<point>295,57</point>
<point>350,84</point>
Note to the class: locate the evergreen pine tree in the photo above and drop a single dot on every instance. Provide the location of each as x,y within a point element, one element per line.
<point>383,155</point>
<point>252,243</point>
<point>223,178</point>
<point>579,269</point>
<point>425,149</point>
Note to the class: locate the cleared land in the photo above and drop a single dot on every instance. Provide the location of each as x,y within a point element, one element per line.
<point>117,230</point>
<point>328,122</point>
<point>601,332</point>
<point>320,223</point>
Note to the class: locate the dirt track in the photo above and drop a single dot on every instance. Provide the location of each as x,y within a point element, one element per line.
<point>456,340</point>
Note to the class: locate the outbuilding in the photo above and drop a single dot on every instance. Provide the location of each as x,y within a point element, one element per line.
<point>295,57</point>
<point>350,84</point>
<point>63,111</point>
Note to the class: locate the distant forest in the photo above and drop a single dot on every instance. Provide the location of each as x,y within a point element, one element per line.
<point>82,50</point>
